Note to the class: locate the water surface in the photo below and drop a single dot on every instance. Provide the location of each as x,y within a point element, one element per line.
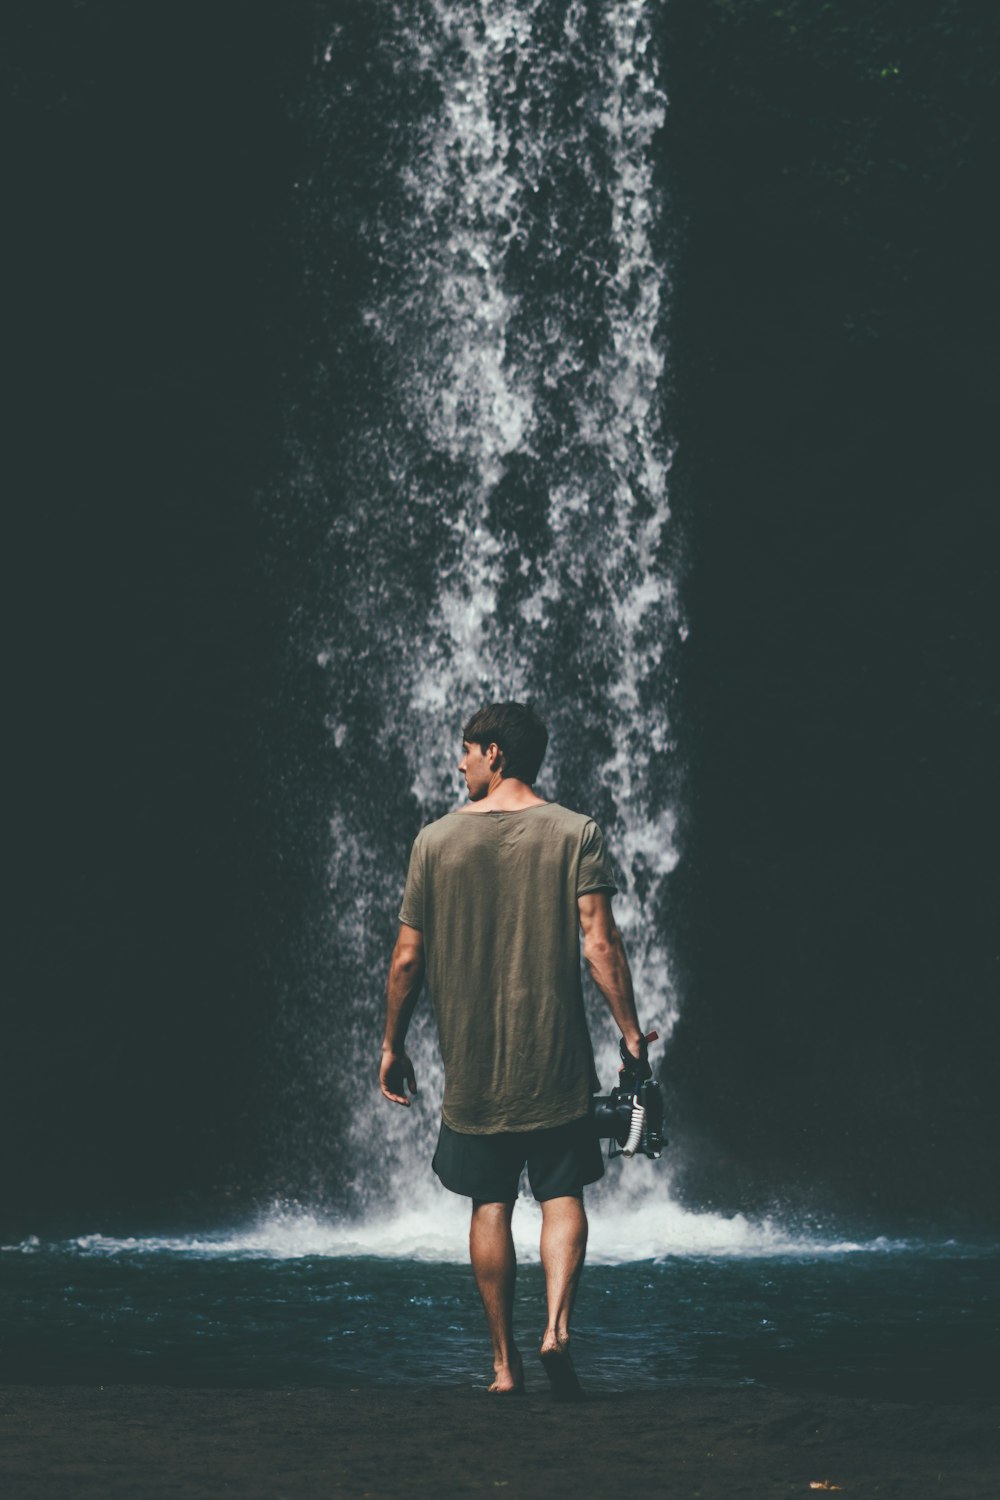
<point>293,1299</point>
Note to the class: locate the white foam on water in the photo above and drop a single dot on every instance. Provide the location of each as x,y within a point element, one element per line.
<point>435,1230</point>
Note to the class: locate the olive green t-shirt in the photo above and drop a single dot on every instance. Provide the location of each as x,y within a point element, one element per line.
<point>495,896</point>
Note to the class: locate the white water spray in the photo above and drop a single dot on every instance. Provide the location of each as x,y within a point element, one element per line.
<point>520,321</point>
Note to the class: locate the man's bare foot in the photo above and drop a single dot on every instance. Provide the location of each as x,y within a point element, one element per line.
<point>508,1380</point>
<point>558,1366</point>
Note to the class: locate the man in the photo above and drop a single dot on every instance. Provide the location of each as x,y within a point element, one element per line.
<point>495,894</point>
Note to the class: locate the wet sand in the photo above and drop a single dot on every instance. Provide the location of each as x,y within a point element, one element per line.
<point>134,1441</point>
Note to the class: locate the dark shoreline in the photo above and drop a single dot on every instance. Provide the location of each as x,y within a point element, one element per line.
<point>147,1441</point>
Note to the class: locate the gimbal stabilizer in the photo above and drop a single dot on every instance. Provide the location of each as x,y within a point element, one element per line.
<point>631,1116</point>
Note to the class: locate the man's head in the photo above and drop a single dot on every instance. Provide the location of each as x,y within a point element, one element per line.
<point>504,737</point>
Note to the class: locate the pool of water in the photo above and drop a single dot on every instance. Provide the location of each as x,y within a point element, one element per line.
<point>292,1299</point>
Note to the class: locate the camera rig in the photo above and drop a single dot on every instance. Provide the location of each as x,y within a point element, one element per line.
<point>631,1116</point>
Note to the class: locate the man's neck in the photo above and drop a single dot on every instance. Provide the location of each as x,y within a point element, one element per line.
<point>506,796</point>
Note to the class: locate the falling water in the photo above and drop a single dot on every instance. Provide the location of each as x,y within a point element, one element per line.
<point>507,532</point>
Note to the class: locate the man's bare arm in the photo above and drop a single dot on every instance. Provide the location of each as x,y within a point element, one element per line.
<point>406,976</point>
<point>604,955</point>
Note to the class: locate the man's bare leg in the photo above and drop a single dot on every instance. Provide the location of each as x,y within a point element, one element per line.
<point>491,1247</point>
<point>563,1247</point>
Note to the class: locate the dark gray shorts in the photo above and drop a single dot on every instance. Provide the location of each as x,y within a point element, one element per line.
<point>560,1161</point>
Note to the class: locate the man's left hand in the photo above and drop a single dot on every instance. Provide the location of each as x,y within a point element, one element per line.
<point>396,1070</point>
<point>637,1059</point>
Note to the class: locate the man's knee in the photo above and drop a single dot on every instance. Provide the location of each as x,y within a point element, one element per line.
<point>484,1211</point>
<point>564,1216</point>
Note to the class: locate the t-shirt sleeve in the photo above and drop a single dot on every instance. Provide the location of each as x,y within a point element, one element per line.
<point>594,870</point>
<point>412,910</point>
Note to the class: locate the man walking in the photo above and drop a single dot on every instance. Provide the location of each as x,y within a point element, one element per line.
<point>495,896</point>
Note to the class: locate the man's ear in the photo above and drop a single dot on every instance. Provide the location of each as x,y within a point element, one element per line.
<point>495,756</point>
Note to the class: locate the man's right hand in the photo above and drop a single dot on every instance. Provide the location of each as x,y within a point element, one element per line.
<point>396,1070</point>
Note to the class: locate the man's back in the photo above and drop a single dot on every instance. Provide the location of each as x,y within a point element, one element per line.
<point>495,896</point>
<point>493,900</point>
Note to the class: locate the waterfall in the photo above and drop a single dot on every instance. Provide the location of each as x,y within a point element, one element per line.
<point>502,526</point>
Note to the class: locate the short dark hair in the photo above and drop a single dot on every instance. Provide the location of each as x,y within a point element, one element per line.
<point>518,731</point>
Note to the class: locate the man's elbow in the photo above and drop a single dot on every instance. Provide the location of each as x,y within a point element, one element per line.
<point>408,963</point>
<point>598,947</point>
